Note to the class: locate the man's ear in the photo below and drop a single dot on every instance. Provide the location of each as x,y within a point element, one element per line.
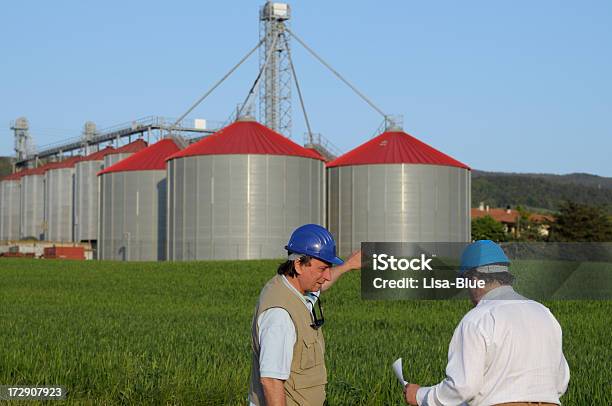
<point>298,266</point>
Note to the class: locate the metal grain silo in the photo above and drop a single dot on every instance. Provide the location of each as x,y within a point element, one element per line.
<point>123,152</point>
<point>86,195</point>
<point>10,206</point>
<point>132,205</point>
<point>239,193</point>
<point>59,200</point>
<point>32,224</point>
<point>397,188</point>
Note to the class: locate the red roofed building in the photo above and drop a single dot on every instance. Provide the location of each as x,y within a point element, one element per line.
<point>16,175</point>
<point>151,158</point>
<point>133,196</point>
<point>510,218</point>
<point>316,152</point>
<point>10,206</point>
<point>98,155</point>
<point>395,147</point>
<point>132,147</point>
<point>33,199</point>
<point>68,162</point>
<point>59,200</point>
<point>395,187</point>
<point>123,152</point>
<point>239,193</point>
<point>246,137</point>
<point>86,195</point>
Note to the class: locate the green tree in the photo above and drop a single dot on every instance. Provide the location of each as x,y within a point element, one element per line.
<point>579,222</point>
<point>6,166</point>
<point>486,228</point>
<point>527,229</point>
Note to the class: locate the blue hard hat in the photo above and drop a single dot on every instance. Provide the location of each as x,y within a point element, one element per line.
<point>482,252</point>
<point>315,241</point>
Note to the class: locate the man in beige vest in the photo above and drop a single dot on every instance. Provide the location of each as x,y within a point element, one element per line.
<point>288,347</point>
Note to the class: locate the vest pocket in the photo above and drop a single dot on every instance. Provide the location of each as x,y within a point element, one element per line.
<point>311,353</point>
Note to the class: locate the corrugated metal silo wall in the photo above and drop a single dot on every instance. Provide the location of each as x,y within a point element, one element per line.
<point>112,159</point>
<point>86,200</point>
<point>240,206</point>
<point>59,209</point>
<point>33,206</point>
<point>132,223</point>
<point>398,202</point>
<point>10,209</point>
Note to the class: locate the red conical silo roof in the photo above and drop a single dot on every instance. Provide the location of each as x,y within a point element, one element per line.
<point>66,163</point>
<point>17,175</point>
<point>246,137</point>
<point>395,147</point>
<point>36,171</point>
<point>99,155</point>
<point>151,158</point>
<point>132,147</point>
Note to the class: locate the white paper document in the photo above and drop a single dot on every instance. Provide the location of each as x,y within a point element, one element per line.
<point>397,368</point>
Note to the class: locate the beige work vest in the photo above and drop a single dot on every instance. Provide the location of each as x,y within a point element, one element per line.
<point>306,382</point>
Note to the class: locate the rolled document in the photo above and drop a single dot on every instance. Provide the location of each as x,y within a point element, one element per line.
<point>397,368</point>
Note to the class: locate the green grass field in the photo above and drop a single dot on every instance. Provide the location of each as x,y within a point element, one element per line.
<point>178,333</point>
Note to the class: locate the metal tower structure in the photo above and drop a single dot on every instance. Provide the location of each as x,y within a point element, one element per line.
<point>89,133</point>
<point>23,140</point>
<point>275,88</point>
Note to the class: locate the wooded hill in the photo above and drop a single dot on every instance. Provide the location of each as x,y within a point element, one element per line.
<point>540,191</point>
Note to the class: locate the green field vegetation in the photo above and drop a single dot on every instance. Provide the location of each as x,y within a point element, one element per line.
<point>179,333</point>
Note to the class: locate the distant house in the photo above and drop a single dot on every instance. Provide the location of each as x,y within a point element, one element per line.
<point>510,218</point>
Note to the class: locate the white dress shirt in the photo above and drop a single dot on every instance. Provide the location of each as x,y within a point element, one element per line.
<point>506,349</point>
<point>277,337</point>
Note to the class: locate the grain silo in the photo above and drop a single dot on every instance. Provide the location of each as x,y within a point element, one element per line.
<point>123,152</point>
<point>397,188</point>
<point>318,154</point>
<point>10,206</point>
<point>59,200</point>
<point>86,195</point>
<point>32,224</point>
<point>133,197</point>
<point>239,193</point>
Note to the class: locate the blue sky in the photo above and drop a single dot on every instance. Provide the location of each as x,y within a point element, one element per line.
<point>521,86</point>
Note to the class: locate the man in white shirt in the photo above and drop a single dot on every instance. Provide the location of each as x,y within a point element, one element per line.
<point>507,350</point>
<point>288,347</point>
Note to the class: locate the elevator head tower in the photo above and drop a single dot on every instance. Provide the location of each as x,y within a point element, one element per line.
<point>23,140</point>
<point>275,88</point>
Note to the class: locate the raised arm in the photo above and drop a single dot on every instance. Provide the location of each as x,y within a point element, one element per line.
<point>353,262</point>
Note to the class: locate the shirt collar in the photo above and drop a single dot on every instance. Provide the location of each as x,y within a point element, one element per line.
<point>293,289</point>
<point>501,292</point>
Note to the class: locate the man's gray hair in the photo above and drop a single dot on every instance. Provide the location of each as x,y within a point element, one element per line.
<point>492,268</point>
<point>287,268</point>
<point>487,274</point>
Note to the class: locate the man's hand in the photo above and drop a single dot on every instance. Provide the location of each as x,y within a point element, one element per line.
<point>353,262</point>
<point>410,391</point>
<point>274,391</point>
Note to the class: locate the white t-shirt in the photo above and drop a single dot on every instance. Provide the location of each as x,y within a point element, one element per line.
<point>277,337</point>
